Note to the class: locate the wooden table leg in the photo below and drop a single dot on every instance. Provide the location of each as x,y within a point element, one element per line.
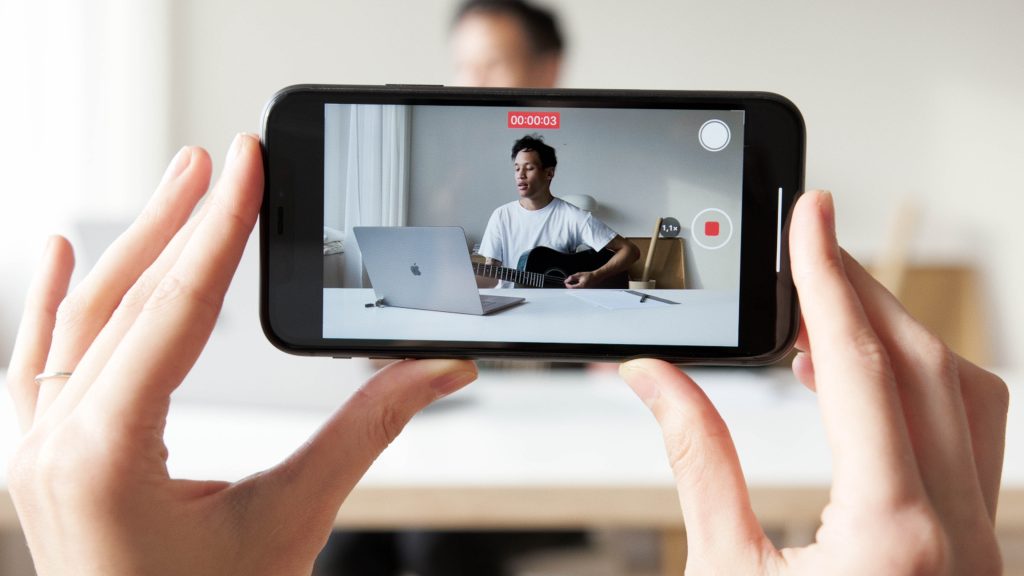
<point>673,552</point>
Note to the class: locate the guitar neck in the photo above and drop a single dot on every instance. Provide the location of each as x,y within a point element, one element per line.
<point>519,277</point>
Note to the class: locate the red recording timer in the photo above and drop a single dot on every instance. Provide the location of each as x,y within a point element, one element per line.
<point>537,120</point>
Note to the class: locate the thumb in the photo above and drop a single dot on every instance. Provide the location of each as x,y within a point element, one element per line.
<point>721,528</point>
<point>323,471</point>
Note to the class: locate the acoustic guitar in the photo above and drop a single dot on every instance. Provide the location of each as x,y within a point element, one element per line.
<point>544,267</point>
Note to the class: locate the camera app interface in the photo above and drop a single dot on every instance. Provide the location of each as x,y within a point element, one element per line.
<point>546,225</point>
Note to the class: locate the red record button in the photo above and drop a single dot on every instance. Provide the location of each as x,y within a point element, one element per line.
<point>535,120</point>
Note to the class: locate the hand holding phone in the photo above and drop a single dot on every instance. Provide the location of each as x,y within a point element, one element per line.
<point>916,434</point>
<point>90,480</point>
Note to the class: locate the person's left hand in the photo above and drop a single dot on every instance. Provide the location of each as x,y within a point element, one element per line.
<point>89,479</point>
<point>916,433</point>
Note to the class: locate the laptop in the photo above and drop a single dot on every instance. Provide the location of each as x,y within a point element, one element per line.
<point>424,267</point>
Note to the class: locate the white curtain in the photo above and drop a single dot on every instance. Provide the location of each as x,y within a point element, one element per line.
<point>376,185</point>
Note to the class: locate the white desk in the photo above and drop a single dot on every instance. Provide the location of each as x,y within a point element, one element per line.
<point>702,317</point>
<point>528,450</point>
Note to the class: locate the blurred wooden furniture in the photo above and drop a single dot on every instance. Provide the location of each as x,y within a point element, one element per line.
<point>668,268</point>
<point>947,298</point>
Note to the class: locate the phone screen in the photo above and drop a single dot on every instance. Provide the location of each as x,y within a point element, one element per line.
<point>429,208</point>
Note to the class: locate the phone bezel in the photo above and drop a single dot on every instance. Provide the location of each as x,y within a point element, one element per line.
<point>291,269</point>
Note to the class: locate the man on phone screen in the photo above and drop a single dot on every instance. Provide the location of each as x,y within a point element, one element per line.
<point>539,219</point>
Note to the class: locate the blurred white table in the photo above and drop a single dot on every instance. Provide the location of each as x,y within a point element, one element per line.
<point>560,449</point>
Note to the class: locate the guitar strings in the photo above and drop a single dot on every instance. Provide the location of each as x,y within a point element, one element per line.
<point>495,270</point>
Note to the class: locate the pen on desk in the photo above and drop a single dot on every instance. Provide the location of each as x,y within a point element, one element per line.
<point>645,297</point>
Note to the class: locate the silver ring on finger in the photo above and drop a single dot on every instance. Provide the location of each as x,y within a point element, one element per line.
<point>42,377</point>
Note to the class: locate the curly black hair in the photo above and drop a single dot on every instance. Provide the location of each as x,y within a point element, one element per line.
<point>535,143</point>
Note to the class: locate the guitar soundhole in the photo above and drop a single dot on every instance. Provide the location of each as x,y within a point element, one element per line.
<point>555,272</point>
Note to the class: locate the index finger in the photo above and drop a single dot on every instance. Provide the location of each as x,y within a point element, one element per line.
<point>873,459</point>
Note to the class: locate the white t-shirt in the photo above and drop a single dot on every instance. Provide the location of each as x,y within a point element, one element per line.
<point>513,231</point>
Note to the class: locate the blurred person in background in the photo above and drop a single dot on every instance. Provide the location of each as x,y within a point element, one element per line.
<point>506,44</point>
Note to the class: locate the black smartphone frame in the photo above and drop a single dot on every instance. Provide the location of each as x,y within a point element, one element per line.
<point>291,218</point>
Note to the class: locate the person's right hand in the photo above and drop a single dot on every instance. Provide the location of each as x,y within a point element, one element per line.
<point>916,432</point>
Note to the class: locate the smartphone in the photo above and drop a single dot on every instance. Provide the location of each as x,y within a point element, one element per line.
<point>601,224</point>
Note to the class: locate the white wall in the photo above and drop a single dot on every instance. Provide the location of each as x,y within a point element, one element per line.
<point>914,97</point>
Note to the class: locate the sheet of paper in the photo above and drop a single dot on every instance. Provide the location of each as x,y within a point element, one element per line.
<point>617,299</point>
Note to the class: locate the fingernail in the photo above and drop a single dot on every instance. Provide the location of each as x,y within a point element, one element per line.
<point>178,164</point>
<point>448,383</point>
<point>828,210</point>
<point>641,381</point>
<point>51,241</point>
<point>236,146</point>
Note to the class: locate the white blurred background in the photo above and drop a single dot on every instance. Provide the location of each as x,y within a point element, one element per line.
<point>905,102</point>
<point>915,99</point>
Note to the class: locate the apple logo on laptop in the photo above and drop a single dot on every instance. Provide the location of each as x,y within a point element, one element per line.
<point>415,269</point>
